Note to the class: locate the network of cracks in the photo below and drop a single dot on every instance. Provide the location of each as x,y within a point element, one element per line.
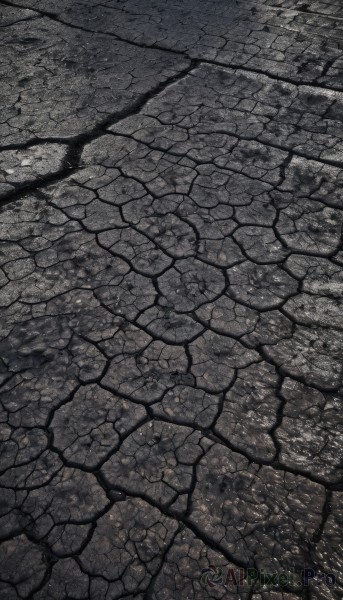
<point>171,295</point>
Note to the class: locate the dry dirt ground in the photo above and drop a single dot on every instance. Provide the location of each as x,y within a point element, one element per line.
<point>171,269</point>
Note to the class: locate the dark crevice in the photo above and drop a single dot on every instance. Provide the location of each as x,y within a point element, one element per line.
<point>72,160</point>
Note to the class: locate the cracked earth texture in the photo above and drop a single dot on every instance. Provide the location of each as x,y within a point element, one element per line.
<point>171,295</point>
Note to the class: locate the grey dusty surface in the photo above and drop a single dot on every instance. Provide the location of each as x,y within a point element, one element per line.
<point>171,296</point>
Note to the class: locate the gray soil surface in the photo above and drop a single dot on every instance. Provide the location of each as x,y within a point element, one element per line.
<point>171,270</point>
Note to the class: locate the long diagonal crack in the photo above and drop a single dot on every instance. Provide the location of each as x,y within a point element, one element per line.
<point>70,159</point>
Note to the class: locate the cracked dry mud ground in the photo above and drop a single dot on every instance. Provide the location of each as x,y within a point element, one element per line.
<point>171,271</point>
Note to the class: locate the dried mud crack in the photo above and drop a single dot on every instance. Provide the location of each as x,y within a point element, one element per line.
<point>171,272</point>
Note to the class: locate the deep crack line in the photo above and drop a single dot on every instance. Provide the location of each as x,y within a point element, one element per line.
<point>76,146</point>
